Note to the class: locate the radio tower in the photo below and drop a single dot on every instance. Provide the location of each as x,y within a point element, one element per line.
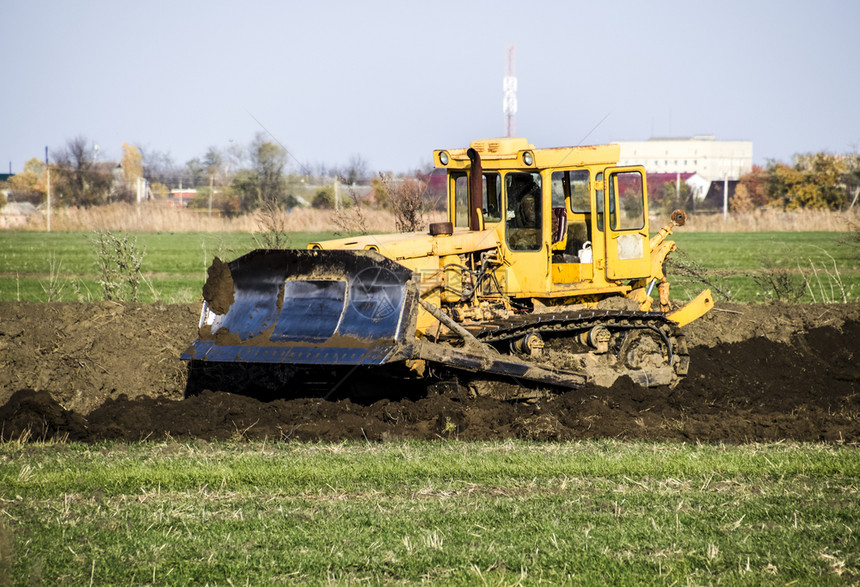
<point>509,104</point>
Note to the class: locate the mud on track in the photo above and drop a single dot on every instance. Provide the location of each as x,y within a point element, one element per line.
<point>111,371</point>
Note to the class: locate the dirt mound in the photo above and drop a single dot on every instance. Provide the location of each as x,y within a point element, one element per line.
<point>776,321</point>
<point>111,371</point>
<point>85,353</point>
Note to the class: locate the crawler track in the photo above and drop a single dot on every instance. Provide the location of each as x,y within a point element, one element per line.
<point>645,346</point>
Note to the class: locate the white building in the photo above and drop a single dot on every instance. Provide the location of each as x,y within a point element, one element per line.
<point>702,155</point>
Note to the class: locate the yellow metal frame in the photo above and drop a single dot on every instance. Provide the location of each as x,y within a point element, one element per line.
<point>694,309</point>
<point>533,274</point>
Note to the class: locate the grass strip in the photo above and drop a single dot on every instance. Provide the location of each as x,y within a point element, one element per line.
<point>451,512</point>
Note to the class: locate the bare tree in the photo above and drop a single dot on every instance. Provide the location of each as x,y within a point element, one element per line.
<point>272,221</point>
<point>350,219</point>
<point>81,181</point>
<point>356,170</point>
<point>158,167</point>
<point>405,197</point>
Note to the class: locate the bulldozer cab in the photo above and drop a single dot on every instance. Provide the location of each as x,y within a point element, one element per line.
<point>605,226</point>
<point>566,218</point>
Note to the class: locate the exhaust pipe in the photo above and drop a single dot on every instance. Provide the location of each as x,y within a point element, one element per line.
<point>476,191</point>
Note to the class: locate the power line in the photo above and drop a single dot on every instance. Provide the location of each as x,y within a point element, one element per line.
<point>299,163</point>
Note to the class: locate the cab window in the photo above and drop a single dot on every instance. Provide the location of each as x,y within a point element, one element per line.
<point>492,197</point>
<point>523,220</point>
<point>461,200</point>
<point>571,185</point>
<point>598,200</point>
<point>626,201</point>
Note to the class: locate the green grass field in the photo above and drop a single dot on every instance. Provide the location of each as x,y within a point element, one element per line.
<point>445,512</point>
<point>743,267</point>
<point>761,266</point>
<point>174,264</point>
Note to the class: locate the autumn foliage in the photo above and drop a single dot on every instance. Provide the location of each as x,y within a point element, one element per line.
<point>819,181</point>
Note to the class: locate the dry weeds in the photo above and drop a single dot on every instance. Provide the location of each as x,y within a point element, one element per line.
<point>151,217</point>
<point>159,218</point>
<point>774,221</point>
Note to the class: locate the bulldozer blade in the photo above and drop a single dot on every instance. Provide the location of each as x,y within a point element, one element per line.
<point>307,307</point>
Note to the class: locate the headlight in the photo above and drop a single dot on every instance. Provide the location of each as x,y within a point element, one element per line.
<point>528,158</point>
<point>443,158</point>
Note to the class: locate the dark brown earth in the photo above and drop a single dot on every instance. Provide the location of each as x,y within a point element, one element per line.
<point>91,372</point>
<point>218,289</point>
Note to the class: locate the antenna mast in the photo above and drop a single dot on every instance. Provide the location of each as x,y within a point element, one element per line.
<point>509,104</point>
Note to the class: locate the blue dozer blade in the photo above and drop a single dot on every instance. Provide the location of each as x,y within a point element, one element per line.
<point>313,307</point>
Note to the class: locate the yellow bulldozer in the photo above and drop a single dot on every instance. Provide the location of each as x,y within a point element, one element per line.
<point>542,277</point>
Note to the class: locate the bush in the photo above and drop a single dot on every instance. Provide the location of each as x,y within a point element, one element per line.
<point>119,262</point>
<point>405,197</point>
<point>324,200</point>
<point>273,227</point>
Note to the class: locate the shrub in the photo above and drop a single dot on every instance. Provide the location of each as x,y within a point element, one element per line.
<point>119,261</point>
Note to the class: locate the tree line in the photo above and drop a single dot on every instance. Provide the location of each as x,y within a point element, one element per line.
<point>243,178</point>
<point>232,180</point>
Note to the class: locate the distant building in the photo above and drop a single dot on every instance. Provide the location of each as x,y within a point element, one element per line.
<point>16,214</point>
<point>703,162</point>
<point>180,198</point>
<point>703,155</point>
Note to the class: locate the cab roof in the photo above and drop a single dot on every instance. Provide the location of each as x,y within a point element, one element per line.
<point>510,153</point>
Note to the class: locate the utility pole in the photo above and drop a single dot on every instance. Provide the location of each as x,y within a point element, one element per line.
<point>336,193</point>
<point>211,179</point>
<point>48,182</point>
<point>509,104</point>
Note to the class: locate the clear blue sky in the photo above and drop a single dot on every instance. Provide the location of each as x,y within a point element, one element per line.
<point>391,81</point>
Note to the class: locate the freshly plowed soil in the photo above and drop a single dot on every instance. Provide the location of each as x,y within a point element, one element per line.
<point>91,372</point>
